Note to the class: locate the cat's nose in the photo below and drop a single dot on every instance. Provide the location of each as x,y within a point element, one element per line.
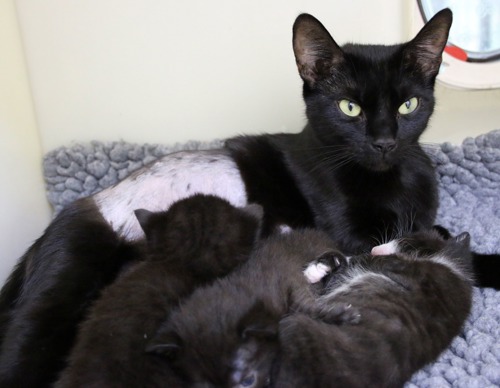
<point>384,145</point>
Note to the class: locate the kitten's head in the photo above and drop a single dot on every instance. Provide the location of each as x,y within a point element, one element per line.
<point>240,359</point>
<point>209,230</point>
<point>371,101</point>
<point>435,244</point>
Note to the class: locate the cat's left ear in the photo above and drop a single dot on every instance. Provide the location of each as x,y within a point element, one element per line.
<point>426,49</point>
<point>259,323</point>
<point>463,239</point>
<point>316,53</point>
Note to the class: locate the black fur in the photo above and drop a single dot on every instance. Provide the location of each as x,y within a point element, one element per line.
<point>226,333</point>
<point>393,324</point>
<point>43,320</point>
<point>195,241</point>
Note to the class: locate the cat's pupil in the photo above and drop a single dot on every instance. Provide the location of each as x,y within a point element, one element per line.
<point>350,106</point>
<point>408,104</point>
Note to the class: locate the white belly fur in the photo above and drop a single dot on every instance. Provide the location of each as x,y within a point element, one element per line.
<point>173,177</point>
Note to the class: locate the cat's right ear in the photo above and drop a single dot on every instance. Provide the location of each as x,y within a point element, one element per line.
<point>143,216</point>
<point>316,53</point>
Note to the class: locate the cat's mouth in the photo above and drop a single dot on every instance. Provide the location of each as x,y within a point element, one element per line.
<point>380,162</point>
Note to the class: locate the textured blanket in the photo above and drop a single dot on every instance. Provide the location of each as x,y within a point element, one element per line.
<point>469,190</point>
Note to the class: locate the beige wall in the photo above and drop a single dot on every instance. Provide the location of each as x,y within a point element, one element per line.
<point>166,71</point>
<point>25,211</point>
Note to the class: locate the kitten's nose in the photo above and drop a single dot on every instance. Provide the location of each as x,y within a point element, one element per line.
<point>384,145</point>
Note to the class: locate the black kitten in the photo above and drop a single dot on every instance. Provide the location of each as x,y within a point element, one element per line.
<point>195,241</point>
<point>225,334</point>
<point>399,312</point>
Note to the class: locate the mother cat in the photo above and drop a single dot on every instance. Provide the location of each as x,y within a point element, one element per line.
<point>355,171</point>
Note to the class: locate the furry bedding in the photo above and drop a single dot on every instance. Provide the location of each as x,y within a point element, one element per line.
<point>469,189</point>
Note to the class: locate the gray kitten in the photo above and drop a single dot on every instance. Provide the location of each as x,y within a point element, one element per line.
<point>402,307</point>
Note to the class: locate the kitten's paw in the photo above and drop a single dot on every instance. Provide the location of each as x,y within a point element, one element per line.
<point>324,265</point>
<point>340,314</point>
<point>316,271</point>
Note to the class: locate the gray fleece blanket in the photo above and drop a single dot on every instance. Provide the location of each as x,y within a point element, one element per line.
<point>469,190</point>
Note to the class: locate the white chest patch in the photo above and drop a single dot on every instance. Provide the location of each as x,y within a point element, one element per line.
<point>169,179</point>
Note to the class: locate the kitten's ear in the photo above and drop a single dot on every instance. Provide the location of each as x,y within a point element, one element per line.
<point>255,210</point>
<point>463,239</point>
<point>259,323</point>
<point>143,216</point>
<point>426,49</point>
<point>165,344</point>
<point>316,53</point>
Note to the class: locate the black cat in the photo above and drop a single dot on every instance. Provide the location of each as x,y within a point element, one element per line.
<point>355,171</point>
<point>400,311</point>
<point>225,334</point>
<point>195,241</point>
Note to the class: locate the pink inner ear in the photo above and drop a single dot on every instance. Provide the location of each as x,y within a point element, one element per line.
<point>384,249</point>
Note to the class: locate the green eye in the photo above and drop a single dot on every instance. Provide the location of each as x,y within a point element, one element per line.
<point>408,106</point>
<point>349,108</point>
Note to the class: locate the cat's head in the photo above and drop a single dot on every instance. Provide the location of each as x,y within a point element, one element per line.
<point>206,228</point>
<point>424,243</point>
<point>435,244</point>
<point>370,102</point>
<point>240,359</point>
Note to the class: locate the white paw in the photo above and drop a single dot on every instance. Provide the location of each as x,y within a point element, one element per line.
<point>284,229</point>
<point>316,271</point>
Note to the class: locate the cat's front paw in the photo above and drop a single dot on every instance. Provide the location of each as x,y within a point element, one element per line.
<point>323,266</point>
<point>340,314</point>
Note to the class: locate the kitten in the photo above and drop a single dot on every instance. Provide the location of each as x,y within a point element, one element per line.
<point>195,241</point>
<point>400,311</point>
<point>225,334</point>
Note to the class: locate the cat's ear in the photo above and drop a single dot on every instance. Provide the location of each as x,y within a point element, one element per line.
<point>165,344</point>
<point>143,216</point>
<point>426,49</point>
<point>463,239</point>
<point>316,53</point>
<point>255,210</point>
<point>260,323</point>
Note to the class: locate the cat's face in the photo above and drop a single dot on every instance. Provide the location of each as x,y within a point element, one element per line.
<point>240,357</point>
<point>370,103</point>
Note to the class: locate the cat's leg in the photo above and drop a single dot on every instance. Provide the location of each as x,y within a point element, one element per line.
<point>320,268</point>
<point>322,271</point>
<point>62,274</point>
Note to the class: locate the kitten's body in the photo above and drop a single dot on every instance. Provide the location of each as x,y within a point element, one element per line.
<point>222,334</point>
<point>370,322</point>
<point>358,178</point>
<point>195,241</point>
<point>411,304</point>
